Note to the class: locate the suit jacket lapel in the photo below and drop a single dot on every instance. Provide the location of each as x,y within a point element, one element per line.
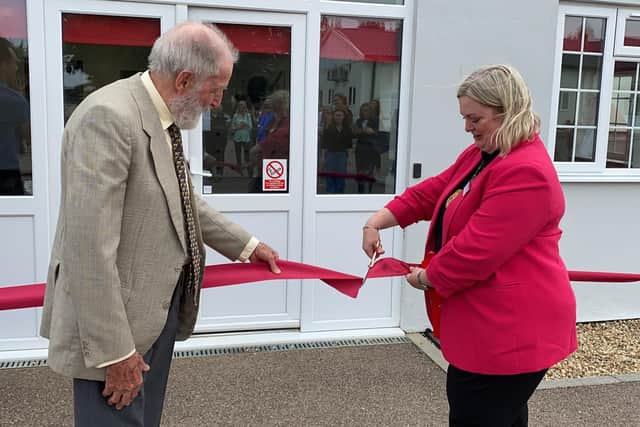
<point>161,154</point>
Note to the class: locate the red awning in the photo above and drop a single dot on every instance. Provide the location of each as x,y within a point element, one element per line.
<point>13,19</point>
<point>259,39</point>
<point>373,44</point>
<point>109,30</point>
<point>363,43</point>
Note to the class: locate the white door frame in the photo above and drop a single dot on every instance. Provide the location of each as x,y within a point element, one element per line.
<point>353,210</point>
<point>26,217</point>
<point>289,204</point>
<point>53,11</point>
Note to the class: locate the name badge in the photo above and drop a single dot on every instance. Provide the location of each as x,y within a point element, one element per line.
<point>452,198</point>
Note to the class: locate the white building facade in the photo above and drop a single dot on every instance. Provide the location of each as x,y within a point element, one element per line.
<point>389,65</point>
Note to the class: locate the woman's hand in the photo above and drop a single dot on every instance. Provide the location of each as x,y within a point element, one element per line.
<point>371,241</point>
<point>418,278</point>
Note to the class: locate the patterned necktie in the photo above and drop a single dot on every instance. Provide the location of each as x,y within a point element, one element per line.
<point>194,270</point>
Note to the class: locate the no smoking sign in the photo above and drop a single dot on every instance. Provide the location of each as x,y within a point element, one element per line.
<point>274,175</point>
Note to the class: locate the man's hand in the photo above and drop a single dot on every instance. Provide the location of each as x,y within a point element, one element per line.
<point>263,253</point>
<point>123,380</point>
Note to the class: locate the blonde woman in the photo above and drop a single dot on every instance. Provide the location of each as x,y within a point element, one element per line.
<point>507,309</point>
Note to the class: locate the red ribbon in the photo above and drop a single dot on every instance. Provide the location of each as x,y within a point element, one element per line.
<point>26,296</point>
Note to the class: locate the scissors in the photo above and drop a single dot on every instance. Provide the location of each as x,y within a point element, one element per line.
<point>374,255</point>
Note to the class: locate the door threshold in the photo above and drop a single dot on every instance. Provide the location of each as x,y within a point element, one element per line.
<point>281,337</point>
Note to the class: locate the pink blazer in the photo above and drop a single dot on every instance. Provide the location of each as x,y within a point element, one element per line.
<point>508,305</point>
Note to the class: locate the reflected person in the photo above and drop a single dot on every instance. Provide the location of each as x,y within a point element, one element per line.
<point>14,121</point>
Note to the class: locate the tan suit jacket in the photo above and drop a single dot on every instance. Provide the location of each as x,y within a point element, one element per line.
<point>120,241</point>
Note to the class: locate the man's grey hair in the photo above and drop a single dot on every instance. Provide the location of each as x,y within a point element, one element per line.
<point>191,50</point>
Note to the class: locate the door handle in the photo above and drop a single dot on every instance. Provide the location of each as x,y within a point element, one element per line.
<point>201,173</point>
<point>204,173</point>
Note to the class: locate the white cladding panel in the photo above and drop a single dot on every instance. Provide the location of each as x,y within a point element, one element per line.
<point>18,255</point>
<point>338,247</point>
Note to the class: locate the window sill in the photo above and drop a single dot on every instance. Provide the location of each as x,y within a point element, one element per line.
<point>598,177</point>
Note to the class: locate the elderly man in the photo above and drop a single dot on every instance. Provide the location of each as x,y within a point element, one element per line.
<point>128,257</point>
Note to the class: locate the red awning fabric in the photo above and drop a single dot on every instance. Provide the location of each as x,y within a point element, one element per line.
<point>259,39</point>
<point>109,30</point>
<point>374,44</point>
<point>13,19</point>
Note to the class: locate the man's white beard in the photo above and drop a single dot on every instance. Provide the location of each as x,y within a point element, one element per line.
<point>186,110</point>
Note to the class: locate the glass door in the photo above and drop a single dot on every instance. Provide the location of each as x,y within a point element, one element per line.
<point>89,45</point>
<point>246,160</point>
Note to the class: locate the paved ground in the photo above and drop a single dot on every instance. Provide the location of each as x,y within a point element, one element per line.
<point>380,385</point>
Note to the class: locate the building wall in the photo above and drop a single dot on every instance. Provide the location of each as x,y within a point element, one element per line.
<point>454,38</point>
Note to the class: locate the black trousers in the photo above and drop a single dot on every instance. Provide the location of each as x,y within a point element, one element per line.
<point>490,400</point>
<point>91,409</point>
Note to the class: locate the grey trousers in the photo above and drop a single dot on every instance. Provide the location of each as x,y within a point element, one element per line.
<point>92,409</point>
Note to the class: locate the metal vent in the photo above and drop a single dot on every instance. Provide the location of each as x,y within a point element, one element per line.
<point>23,364</point>
<point>355,342</point>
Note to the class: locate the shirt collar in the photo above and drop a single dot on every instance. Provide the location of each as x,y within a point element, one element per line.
<point>166,119</point>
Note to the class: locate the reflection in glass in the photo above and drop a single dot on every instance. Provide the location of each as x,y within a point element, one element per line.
<point>567,108</point>
<point>100,49</point>
<point>624,76</point>
<point>251,125</point>
<point>572,33</point>
<point>569,73</point>
<point>15,135</point>
<point>594,35</point>
<point>591,71</point>
<point>360,78</point>
<point>632,32</point>
<point>621,109</point>
<point>588,111</point>
<point>618,148</point>
<point>564,145</point>
<point>585,145</point>
<point>635,155</point>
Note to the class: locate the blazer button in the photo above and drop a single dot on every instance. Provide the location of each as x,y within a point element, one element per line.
<point>166,305</point>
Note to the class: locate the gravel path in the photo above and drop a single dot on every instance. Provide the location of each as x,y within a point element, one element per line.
<point>605,348</point>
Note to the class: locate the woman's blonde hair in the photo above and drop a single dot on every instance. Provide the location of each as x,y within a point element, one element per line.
<point>502,88</point>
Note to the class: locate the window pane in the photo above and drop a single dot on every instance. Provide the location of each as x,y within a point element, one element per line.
<point>567,108</point>
<point>635,156</point>
<point>588,112</point>
<point>569,74</point>
<point>360,72</point>
<point>100,49</point>
<point>636,121</point>
<point>621,109</point>
<point>586,145</point>
<point>618,148</point>
<point>624,76</point>
<point>572,33</point>
<point>15,131</point>
<point>564,145</point>
<point>632,32</point>
<point>591,72</point>
<point>594,35</point>
<point>251,127</point>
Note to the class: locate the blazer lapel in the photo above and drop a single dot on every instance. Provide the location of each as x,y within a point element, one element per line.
<point>463,171</point>
<point>162,156</point>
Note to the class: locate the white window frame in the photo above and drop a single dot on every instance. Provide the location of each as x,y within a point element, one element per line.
<point>593,171</point>
<point>624,14</point>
